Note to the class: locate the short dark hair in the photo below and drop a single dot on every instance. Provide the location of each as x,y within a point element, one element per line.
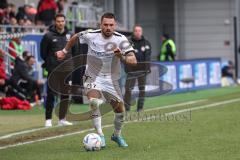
<point>29,57</point>
<point>26,54</point>
<point>59,15</point>
<point>108,15</point>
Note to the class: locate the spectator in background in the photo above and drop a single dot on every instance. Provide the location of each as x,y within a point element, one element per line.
<point>35,87</point>
<point>228,74</point>
<point>15,49</point>
<point>13,22</point>
<point>53,41</point>
<point>25,55</point>
<point>21,22</point>
<point>70,15</point>
<point>22,77</point>
<point>168,49</point>
<point>6,14</point>
<point>46,11</point>
<point>13,88</point>
<point>3,76</point>
<point>3,4</point>
<point>12,12</point>
<point>1,17</point>
<point>143,55</point>
<point>21,14</point>
<point>26,12</point>
<point>30,12</point>
<point>60,5</point>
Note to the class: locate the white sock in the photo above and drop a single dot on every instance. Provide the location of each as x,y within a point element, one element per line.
<point>97,119</point>
<point>118,122</point>
<point>97,122</point>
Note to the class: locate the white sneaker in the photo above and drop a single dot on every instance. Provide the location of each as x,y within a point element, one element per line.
<point>48,123</point>
<point>63,122</point>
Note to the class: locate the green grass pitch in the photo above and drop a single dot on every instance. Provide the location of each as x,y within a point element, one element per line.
<point>204,134</point>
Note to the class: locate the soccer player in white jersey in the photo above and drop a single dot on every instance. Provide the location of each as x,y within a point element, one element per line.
<point>106,48</point>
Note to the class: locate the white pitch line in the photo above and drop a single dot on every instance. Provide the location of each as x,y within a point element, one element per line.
<point>205,106</point>
<point>43,128</point>
<point>107,126</point>
<point>53,137</point>
<point>177,105</point>
<point>25,131</point>
<point>21,132</point>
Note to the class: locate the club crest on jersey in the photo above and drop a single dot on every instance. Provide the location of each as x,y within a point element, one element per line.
<point>110,46</point>
<point>68,36</point>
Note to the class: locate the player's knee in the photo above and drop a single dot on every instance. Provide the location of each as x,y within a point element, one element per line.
<point>118,107</point>
<point>93,94</point>
<point>95,102</point>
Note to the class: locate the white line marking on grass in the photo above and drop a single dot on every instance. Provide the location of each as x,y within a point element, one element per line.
<point>205,106</point>
<point>177,105</point>
<point>53,137</point>
<point>25,131</point>
<point>21,132</point>
<point>43,128</point>
<point>107,126</point>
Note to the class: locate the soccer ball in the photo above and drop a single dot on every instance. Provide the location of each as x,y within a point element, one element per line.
<point>92,142</point>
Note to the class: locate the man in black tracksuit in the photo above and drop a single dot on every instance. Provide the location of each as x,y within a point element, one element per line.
<point>23,83</point>
<point>143,54</point>
<point>53,41</point>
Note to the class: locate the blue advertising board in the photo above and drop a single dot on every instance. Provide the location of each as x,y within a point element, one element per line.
<point>205,73</point>
<point>31,42</point>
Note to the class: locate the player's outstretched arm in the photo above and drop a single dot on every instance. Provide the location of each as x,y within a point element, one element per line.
<point>61,54</point>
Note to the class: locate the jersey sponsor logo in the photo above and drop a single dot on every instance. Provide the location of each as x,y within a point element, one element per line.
<point>103,54</point>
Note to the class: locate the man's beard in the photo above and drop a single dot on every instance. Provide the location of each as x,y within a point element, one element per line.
<point>107,34</point>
